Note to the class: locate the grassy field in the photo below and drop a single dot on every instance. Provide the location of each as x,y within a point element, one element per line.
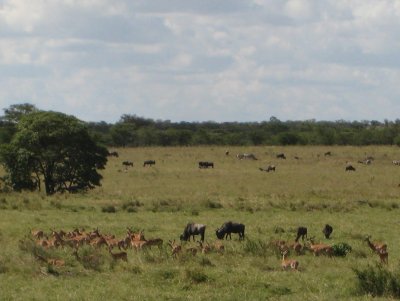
<point>310,191</point>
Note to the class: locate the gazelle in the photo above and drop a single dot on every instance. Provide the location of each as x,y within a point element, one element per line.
<point>318,249</point>
<point>384,256</point>
<point>176,249</point>
<point>119,256</point>
<point>286,263</point>
<point>375,246</point>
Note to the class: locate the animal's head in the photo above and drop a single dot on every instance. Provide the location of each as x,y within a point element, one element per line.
<point>184,237</point>
<point>220,233</point>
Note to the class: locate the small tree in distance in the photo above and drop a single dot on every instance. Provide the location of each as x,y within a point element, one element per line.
<point>54,148</point>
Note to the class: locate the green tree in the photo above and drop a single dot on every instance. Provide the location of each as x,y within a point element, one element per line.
<point>123,134</point>
<point>12,115</point>
<point>55,148</point>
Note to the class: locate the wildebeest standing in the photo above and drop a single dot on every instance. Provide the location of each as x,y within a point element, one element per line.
<point>205,164</point>
<point>301,232</point>
<point>267,168</point>
<point>327,231</point>
<point>193,229</point>
<point>149,162</point>
<point>228,228</point>
<point>350,168</point>
<point>113,154</point>
<point>127,163</point>
<point>281,156</point>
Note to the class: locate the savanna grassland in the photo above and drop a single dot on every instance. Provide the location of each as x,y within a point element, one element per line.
<point>310,191</point>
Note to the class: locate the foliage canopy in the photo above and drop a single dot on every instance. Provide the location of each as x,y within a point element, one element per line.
<point>54,148</point>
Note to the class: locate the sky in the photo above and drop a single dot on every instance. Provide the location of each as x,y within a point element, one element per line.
<point>203,60</point>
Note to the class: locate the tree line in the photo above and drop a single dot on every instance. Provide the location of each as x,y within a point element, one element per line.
<point>134,131</point>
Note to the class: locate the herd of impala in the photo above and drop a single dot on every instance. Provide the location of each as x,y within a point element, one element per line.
<point>136,240</point>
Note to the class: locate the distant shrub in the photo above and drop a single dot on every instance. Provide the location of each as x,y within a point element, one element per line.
<point>131,204</point>
<point>109,209</point>
<point>131,209</point>
<point>378,281</point>
<point>213,204</point>
<point>341,249</point>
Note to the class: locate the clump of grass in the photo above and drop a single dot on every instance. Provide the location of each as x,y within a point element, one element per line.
<point>213,204</point>
<point>196,276</point>
<point>278,230</point>
<point>3,266</point>
<point>167,274</point>
<point>257,247</point>
<point>92,259</point>
<point>204,261</point>
<point>132,204</point>
<point>109,209</point>
<point>341,249</point>
<point>378,281</point>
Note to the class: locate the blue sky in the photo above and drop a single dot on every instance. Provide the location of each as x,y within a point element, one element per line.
<point>187,60</point>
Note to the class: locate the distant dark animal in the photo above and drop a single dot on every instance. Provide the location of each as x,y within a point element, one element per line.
<point>149,162</point>
<point>268,168</point>
<point>350,168</point>
<point>327,231</point>
<point>246,156</point>
<point>193,229</point>
<point>328,154</point>
<point>281,156</point>
<point>205,164</point>
<point>227,153</point>
<point>297,158</point>
<point>301,232</point>
<point>113,154</point>
<point>228,228</point>
<point>127,163</point>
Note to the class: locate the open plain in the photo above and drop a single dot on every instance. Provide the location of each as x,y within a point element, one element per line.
<point>308,188</point>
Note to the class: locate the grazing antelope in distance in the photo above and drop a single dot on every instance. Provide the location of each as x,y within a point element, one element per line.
<point>37,234</point>
<point>379,248</point>
<point>205,248</point>
<point>318,249</point>
<point>286,263</point>
<point>376,246</point>
<point>384,256</point>
<point>176,249</point>
<point>218,246</point>
<point>51,261</point>
<point>119,256</point>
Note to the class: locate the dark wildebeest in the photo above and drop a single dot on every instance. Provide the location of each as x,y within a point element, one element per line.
<point>350,168</point>
<point>113,154</point>
<point>149,162</point>
<point>205,164</point>
<point>127,163</point>
<point>228,228</point>
<point>328,154</point>
<point>227,153</point>
<point>327,231</point>
<point>281,156</point>
<point>267,168</point>
<point>301,232</point>
<point>193,229</point>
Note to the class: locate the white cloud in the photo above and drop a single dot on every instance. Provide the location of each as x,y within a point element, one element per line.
<point>202,60</point>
